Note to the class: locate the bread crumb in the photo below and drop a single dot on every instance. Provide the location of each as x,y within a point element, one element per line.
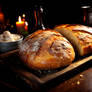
<point>81,76</point>
<point>78,82</point>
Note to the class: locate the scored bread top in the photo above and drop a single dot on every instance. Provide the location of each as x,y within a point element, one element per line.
<point>46,50</point>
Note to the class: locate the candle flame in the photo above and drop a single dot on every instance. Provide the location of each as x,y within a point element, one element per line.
<point>23,15</point>
<point>19,19</point>
<point>26,23</point>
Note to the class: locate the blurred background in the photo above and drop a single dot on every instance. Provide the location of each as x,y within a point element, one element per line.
<point>55,12</point>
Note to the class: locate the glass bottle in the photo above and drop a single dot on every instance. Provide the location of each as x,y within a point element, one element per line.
<point>38,16</point>
<point>86,15</point>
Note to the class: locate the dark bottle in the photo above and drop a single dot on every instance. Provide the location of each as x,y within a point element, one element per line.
<point>87,14</point>
<point>38,16</point>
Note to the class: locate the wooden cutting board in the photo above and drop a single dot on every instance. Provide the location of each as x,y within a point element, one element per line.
<point>38,78</point>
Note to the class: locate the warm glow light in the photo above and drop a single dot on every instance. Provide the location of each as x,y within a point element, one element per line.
<point>23,15</point>
<point>1,17</point>
<point>19,19</point>
<point>26,23</point>
<point>22,26</point>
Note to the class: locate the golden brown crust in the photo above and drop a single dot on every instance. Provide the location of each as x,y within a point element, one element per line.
<point>83,35</point>
<point>46,50</point>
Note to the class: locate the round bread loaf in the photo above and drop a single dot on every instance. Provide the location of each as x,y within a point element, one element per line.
<point>46,50</point>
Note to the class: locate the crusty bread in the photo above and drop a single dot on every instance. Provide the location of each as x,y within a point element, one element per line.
<point>79,35</point>
<point>46,50</point>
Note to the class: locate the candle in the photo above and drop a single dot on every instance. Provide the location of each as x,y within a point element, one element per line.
<point>20,25</point>
<point>26,25</point>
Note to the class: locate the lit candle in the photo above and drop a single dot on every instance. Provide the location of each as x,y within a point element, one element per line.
<point>26,25</point>
<point>20,25</point>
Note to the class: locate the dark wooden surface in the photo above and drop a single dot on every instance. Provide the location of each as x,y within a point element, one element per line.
<point>79,80</point>
<point>38,78</point>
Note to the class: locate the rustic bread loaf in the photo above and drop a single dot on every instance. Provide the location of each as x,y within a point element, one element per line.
<point>46,50</point>
<point>79,35</point>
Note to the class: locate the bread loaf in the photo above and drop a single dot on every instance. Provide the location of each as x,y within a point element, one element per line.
<point>46,50</point>
<point>79,35</point>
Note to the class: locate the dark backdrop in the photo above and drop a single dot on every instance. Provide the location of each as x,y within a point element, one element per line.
<point>55,11</point>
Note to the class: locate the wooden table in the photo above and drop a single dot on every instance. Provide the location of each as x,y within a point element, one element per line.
<point>80,80</point>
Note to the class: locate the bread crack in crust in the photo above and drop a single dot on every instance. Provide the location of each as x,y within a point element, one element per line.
<point>45,50</point>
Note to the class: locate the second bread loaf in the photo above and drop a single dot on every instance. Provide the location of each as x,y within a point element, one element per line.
<point>79,35</point>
